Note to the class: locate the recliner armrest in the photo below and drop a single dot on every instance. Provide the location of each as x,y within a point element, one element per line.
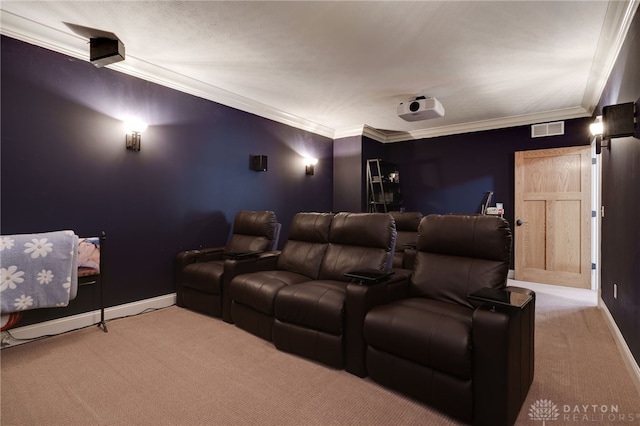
<point>503,298</point>
<point>199,255</point>
<point>503,359</point>
<point>359,300</point>
<point>369,276</point>
<point>188,257</point>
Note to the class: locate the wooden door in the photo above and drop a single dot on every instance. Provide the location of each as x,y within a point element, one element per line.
<point>553,216</point>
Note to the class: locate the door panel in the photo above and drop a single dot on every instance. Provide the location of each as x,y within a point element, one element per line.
<point>534,235</point>
<point>553,204</point>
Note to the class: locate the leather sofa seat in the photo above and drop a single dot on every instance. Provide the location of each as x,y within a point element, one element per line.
<point>312,318</point>
<point>204,276</point>
<point>253,295</point>
<point>397,329</point>
<point>310,321</point>
<point>315,304</point>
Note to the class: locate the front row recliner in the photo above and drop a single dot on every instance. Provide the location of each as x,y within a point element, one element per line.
<point>468,359</point>
<point>304,303</point>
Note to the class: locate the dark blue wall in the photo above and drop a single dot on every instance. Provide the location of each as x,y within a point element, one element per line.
<point>348,174</point>
<point>620,238</point>
<point>64,166</point>
<point>450,174</point>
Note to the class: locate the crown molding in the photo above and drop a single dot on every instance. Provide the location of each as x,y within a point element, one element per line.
<point>75,46</point>
<point>454,129</point>
<point>616,24</point>
<point>501,123</point>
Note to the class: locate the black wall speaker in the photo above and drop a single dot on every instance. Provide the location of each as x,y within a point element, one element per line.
<point>105,51</point>
<point>619,120</point>
<point>259,163</point>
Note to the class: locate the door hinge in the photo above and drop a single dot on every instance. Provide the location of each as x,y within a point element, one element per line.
<point>593,266</point>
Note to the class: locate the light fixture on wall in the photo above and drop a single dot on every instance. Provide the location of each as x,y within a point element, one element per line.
<point>309,165</point>
<point>133,130</point>
<point>597,128</point>
<point>618,121</point>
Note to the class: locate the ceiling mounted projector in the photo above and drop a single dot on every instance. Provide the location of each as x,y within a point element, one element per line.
<point>420,109</point>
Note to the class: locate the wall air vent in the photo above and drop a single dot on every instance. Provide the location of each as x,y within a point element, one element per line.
<point>547,129</point>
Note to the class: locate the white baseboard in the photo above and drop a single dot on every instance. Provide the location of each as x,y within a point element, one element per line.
<point>627,356</point>
<point>62,325</point>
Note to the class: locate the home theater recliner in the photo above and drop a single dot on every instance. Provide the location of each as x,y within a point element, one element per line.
<point>202,276</point>
<point>447,332</point>
<point>458,339</point>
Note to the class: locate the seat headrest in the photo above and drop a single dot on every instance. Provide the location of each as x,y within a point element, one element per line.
<point>364,229</point>
<point>259,223</point>
<point>476,236</point>
<point>311,227</point>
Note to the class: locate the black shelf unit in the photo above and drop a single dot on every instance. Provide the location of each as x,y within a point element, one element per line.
<point>383,186</point>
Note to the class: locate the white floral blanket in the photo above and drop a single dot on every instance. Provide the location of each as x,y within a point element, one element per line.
<point>38,270</point>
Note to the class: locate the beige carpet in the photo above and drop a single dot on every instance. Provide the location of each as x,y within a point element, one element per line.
<point>176,367</point>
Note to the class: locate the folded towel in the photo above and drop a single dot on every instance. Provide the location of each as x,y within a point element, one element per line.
<point>38,270</point>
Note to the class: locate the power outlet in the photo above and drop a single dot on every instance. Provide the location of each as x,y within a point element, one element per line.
<point>615,291</point>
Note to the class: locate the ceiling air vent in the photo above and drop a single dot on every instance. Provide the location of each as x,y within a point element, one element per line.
<point>547,129</point>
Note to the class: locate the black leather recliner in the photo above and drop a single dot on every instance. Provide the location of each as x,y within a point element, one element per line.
<point>472,360</point>
<point>202,276</point>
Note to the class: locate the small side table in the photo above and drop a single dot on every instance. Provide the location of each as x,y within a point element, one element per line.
<point>501,298</point>
<point>369,276</point>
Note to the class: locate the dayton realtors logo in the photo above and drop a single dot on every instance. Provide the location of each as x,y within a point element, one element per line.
<point>543,409</point>
<point>546,410</point>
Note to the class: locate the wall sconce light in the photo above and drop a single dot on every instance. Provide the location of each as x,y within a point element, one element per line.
<point>309,165</point>
<point>597,128</point>
<point>133,130</point>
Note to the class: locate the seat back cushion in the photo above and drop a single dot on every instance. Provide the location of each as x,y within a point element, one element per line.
<point>306,245</point>
<point>358,241</point>
<point>459,254</point>
<point>252,231</point>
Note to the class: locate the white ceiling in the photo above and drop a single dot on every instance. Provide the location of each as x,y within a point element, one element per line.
<point>341,68</point>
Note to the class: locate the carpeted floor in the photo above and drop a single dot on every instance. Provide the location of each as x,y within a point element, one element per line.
<point>177,367</point>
